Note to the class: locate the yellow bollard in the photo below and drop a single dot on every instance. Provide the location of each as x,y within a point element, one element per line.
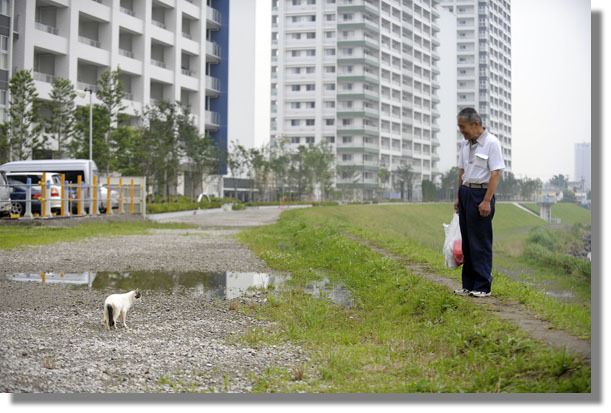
<point>108,205</point>
<point>43,206</point>
<point>120,195</point>
<point>131,197</point>
<point>79,191</point>
<point>63,197</point>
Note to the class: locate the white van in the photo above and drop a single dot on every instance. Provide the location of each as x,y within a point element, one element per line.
<point>71,168</point>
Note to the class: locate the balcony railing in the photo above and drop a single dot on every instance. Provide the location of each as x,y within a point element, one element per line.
<point>158,63</point>
<point>43,77</point>
<point>158,24</point>
<point>127,53</point>
<point>213,15</point>
<point>213,118</point>
<point>187,35</point>
<point>128,11</point>
<point>213,49</point>
<point>90,42</point>
<point>83,86</point>
<point>46,28</point>
<point>213,83</point>
<point>187,72</point>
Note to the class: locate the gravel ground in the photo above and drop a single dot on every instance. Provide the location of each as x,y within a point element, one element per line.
<point>53,338</point>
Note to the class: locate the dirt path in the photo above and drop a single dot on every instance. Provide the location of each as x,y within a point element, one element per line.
<point>511,311</point>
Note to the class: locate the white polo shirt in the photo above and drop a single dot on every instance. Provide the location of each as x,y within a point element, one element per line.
<point>479,159</point>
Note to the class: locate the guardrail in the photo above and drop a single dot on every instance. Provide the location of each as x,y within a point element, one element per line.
<point>76,199</point>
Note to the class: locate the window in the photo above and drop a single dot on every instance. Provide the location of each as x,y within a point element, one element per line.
<point>329,122</point>
<point>346,157</point>
<point>329,104</point>
<point>294,122</point>
<point>310,86</point>
<point>295,53</point>
<point>295,88</point>
<point>310,69</point>
<point>311,52</point>
<point>295,139</point>
<point>346,122</point>
<point>330,139</point>
<point>296,2</point>
<point>309,139</point>
<point>329,86</point>
<point>330,17</point>
<point>2,97</point>
<point>330,52</point>
<point>311,35</point>
<point>329,69</point>
<point>295,105</point>
<point>310,105</point>
<point>310,122</point>
<point>3,52</point>
<point>4,7</point>
<point>330,35</point>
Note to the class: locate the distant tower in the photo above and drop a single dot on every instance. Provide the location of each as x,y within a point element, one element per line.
<point>483,54</point>
<point>583,164</point>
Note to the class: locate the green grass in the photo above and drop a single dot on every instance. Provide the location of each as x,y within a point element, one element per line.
<point>404,334</point>
<point>13,236</point>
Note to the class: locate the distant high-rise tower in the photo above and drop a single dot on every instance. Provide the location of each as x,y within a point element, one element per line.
<point>483,52</point>
<point>583,166</point>
<point>361,74</point>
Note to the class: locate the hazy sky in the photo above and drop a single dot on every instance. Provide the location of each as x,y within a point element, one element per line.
<point>551,84</point>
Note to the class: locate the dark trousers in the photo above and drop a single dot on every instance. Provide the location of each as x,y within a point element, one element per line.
<point>476,232</point>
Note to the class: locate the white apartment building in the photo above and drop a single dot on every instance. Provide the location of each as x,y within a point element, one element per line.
<point>173,50</point>
<point>483,52</point>
<point>361,74</point>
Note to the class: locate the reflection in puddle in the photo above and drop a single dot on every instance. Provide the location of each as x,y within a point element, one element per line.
<point>224,284</point>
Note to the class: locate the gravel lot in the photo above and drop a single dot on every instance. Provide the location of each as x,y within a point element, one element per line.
<point>53,338</point>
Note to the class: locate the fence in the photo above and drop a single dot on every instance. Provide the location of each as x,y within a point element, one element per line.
<point>117,196</point>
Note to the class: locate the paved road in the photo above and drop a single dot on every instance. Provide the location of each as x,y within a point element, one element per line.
<point>250,217</point>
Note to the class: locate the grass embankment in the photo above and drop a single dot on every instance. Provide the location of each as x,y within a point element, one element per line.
<point>416,233</point>
<point>404,334</point>
<point>12,236</point>
<point>567,212</point>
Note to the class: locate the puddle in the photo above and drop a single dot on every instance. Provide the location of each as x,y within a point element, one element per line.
<point>222,284</point>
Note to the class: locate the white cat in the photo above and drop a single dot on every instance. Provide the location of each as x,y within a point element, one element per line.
<point>117,305</point>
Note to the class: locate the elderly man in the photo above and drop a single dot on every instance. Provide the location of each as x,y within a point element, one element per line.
<point>480,160</point>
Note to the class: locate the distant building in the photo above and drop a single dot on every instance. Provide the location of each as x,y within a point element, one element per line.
<point>362,75</point>
<point>583,164</point>
<point>483,53</point>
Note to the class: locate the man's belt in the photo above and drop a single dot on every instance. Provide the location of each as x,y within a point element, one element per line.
<point>470,185</point>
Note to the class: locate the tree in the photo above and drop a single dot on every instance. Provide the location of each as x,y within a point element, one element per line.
<point>279,159</point>
<point>110,93</point>
<point>429,191</point>
<point>569,196</point>
<point>22,131</point>
<point>61,124</point>
<point>78,146</point>
<point>449,183</point>
<point>383,177</point>
<point>529,186</point>
<point>235,163</point>
<point>403,180</point>
<point>508,185</point>
<point>319,160</point>
<point>560,181</point>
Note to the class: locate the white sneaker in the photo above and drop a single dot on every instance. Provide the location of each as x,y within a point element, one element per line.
<point>462,291</point>
<point>479,294</point>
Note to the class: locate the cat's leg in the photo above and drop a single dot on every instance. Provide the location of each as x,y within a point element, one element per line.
<point>106,318</point>
<point>123,315</point>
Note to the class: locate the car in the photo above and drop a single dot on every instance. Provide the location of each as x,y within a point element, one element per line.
<point>18,197</point>
<point>53,179</point>
<point>5,195</point>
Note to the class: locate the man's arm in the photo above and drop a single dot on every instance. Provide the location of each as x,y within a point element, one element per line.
<point>484,207</point>
<point>460,174</point>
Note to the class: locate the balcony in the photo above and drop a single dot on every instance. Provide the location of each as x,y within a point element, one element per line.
<point>213,51</point>
<point>158,63</point>
<point>213,18</point>
<point>159,24</point>
<point>127,11</point>
<point>126,53</point>
<point>90,42</point>
<point>43,77</point>
<point>213,120</point>
<point>188,72</point>
<point>213,86</point>
<point>83,86</point>
<point>46,28</point>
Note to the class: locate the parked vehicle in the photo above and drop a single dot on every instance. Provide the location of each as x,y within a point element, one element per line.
<point>54,194</point>
<point>18,197</point>
<point>5,195</point>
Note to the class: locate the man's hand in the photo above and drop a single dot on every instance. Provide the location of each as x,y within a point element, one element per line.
<point>484,208</point>
<point>456,205</point>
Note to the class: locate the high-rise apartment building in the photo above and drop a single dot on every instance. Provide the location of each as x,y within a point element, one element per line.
<point>172,50</point>
<point>362,75</point>
<point>6,24</point>
<point>483,54</point>
<point>583,164</point>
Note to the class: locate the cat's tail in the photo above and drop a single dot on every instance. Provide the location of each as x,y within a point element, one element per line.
<point>111,319</point>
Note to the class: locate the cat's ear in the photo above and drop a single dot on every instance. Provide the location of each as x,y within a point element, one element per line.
<point>138,293</point>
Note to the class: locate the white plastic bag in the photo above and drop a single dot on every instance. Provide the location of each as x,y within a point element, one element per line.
<point>452,246</point>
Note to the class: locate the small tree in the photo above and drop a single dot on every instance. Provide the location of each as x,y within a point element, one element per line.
<point>236,165</point>
<point>403,180</point>
<point>62,122</point>
<point>110,93</point>
<point>22,132</point>
<point>429,191</point>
